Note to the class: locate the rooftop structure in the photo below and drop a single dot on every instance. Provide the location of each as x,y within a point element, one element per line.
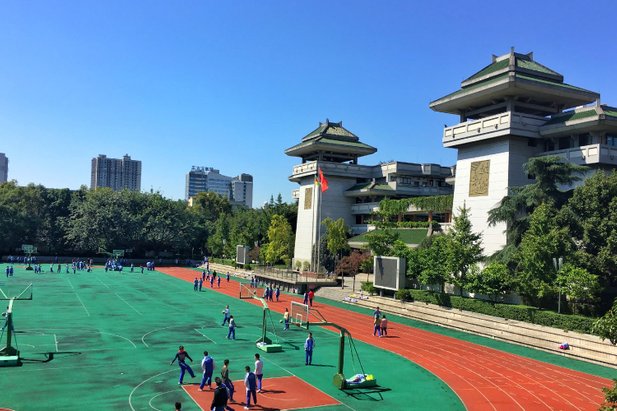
<point>354,190</point>
<point>511,110</point>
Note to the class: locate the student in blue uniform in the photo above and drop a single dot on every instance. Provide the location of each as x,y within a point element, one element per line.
<point>181,356</point>
<point>309,344</point>
<point>207,366</point>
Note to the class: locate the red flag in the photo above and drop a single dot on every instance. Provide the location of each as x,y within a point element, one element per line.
<point>322,181</point>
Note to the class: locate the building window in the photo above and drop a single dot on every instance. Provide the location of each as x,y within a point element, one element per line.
<point>584,139</point>
<point>611,140</point>
<point>564,143</point>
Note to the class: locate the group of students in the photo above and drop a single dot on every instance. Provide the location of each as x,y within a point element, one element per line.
<point>224,390</point>
<point>207,276</point>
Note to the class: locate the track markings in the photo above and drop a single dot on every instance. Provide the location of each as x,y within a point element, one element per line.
<point>205,336</point>
<point>77,295</point>
<point>127,303</point>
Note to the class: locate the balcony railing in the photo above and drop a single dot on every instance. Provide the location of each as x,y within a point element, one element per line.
<point>591,154</point>
<point>493,126</point>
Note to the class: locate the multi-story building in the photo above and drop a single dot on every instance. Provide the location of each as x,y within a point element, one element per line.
<point>118,174</point>
<point>237,190</point>
<point>242,189</point>
<point>4,168</point>
<point>354,190</point>
<point>511,110</point>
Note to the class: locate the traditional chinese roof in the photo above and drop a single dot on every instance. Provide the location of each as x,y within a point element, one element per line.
<point>369,188</point>
<point>515,76</point>
<point>330,141</point>
<point>582,118</point>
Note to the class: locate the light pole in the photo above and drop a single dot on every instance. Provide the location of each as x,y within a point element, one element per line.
<point>557,263</point>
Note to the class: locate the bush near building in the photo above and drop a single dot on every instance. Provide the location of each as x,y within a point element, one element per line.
<point>524,313</point>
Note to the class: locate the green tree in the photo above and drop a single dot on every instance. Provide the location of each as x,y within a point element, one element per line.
<point>380,241</point>
<point>550,173</point>
<point>591,216</point>
<point>336,236</point>
<point>433,259</point>
<point>495,281</point>
<point>464,248</point>
<point>280,237</point>
<point>580,287</point>
<point>606,326</point>
<point>543,241</point>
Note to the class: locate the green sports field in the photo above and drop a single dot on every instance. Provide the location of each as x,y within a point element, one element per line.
<point>114,335</point>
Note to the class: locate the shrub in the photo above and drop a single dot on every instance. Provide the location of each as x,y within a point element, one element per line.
<point>368,287</point>
<point>509,311</point>
<point>403,295</point>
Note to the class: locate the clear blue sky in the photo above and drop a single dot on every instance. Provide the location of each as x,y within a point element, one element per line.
<point>231,84</point>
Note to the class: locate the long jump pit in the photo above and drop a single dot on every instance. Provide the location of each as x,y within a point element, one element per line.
<point>280,394</point>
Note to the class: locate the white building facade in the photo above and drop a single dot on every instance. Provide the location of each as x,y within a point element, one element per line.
<point>238,190</point>
<point>512,110</point>
<point>354,190</point>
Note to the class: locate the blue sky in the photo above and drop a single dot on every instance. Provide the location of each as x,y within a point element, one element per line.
<point>231,84</point>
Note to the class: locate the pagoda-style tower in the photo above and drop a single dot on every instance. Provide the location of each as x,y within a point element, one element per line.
<point>506,111</point>
<point>335,150</point>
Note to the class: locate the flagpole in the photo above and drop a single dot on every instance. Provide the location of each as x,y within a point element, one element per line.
<point>320,194</point>
<point>313,211</point>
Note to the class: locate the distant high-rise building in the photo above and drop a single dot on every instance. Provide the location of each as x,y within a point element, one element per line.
<point>4,168</point>
<point>207,179</point>
<point>242,189</point>
<point>118,174</point>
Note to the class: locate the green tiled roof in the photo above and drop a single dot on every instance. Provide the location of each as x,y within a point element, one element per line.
<point>491,68</point>
<point>367,186</point>
<point>532,65</point>
<point>333,129</point>
<point>330,141</point>
<point>611,112</point>
<point>571,116</point>
<point>552,83</point>
<point>407,235</point>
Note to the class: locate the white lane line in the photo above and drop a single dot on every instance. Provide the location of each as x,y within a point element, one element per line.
<point>77,295</point>
<point>127,303</point>
<point>119,336</point>
<point>142,383</point>
<point>210,339</point>
<point>153,331</point>
<point>158,395</point>
<point>100,281</point>
<point>56,342</point>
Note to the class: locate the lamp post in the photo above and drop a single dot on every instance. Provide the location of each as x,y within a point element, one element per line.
<point>558,263</point>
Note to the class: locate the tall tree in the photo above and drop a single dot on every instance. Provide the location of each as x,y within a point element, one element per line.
<point>543,241</point>
<point>336,236</point>
<point>280,237</point>
<point>464,248</point>
<point>550,173</point>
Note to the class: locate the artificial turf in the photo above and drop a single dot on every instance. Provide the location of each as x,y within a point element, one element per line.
<point>114,335</point>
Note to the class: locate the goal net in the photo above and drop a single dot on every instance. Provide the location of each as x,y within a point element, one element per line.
<point>246,292</point>
<point>299,314</point>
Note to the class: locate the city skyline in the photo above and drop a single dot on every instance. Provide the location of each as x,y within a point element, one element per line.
<point>175,86</point>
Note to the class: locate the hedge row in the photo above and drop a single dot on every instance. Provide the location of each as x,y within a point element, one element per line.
<point>509,311</point>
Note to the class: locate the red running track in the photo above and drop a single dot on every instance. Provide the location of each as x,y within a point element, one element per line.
<point>483,378</point>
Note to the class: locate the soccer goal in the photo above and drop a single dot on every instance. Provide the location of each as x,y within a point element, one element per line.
<point>299,314</point>
<point>247,292</point>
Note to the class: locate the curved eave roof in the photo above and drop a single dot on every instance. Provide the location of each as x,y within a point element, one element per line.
<point>332,146</point>
<point>510,85</point>
<point>591,119</point>
<point>368,189</point>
